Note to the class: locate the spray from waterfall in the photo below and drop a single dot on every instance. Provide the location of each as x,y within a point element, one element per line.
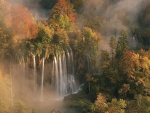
<point>56,77</point>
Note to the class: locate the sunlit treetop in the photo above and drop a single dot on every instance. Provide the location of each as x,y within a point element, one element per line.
<point>63,7</point>
<point>21,22</point>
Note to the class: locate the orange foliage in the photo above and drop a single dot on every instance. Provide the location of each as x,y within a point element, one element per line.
<point>21,22</point>
<point>4,10</point>
<point>64,8</point>
<point>133,62</point>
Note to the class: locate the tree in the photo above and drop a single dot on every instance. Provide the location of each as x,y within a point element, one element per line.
<point>62,7</point>
<point>61,22</point>
<point>112,45</point>
<point>117,106</point>
<point>5,43</point>
<point>21,23</point>
<point>122,44</point>
<point>135,74</point>
<point>100,105</point>
<point>104,59</point>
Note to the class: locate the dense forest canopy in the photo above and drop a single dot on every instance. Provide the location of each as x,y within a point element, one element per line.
<point>110,41</point>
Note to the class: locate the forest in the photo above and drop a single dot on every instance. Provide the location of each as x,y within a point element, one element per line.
<point>93,54</point>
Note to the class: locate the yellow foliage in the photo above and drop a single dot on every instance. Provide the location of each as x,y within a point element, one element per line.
<point>101,101</point>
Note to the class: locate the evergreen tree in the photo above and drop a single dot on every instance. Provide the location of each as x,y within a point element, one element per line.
<point>122,44</point>
<point>112,45</point>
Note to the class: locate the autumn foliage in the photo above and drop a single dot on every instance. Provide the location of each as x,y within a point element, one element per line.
<point>62,7</point>
<point>21,22</point>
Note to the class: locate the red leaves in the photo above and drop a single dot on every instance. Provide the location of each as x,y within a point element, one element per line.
<point>64,8</point>
<point>22,22</point>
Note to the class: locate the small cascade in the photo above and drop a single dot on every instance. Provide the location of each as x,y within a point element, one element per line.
<point>133,42</point>
<point>42,79</point>
<point>56,79</point>
<point>64,83</point>
<point>71,80</point>
<point>35,77</point>
<point>59,79</point>
<point>52,74</point>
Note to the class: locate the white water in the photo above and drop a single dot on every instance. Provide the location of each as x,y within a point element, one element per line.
<point>42,79</point>
<point>35,77</point>
<point>61,74</point>
<point>64,74</point>
<point>133,42</point>
<point>71,79</point>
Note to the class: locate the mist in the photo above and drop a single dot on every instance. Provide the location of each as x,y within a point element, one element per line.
<point>121,15</point>
<point>115,17</point>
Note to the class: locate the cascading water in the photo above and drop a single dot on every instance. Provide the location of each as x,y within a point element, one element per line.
<point>64,75</point>
<point>64,82</point>
<point>71,79</point>
<point>133,42</point>
<point>35,77</point>
<point>42,79</point>
<point>60,76</point>
<point>56,76</point>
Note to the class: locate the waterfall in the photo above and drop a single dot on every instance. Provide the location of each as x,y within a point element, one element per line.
<point>52,75</point>
<point>72,62</point>
<point>71,80</point>
<point>56,83</point>
<point>60,78</point>
<point>63,74</point>
<point>42,79</point>
<point>35,76</point>
<point>133,42</point>
<point>60,75</point>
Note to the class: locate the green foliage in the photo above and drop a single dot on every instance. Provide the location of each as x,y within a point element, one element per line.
<point>140,104</point>
<point>58,22</point>
<point>112,44</point>
<point>122,44</point>
<point>45,34</point>
<point>78,100</point>
<point>104,59</point>
<point>117,106</point>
